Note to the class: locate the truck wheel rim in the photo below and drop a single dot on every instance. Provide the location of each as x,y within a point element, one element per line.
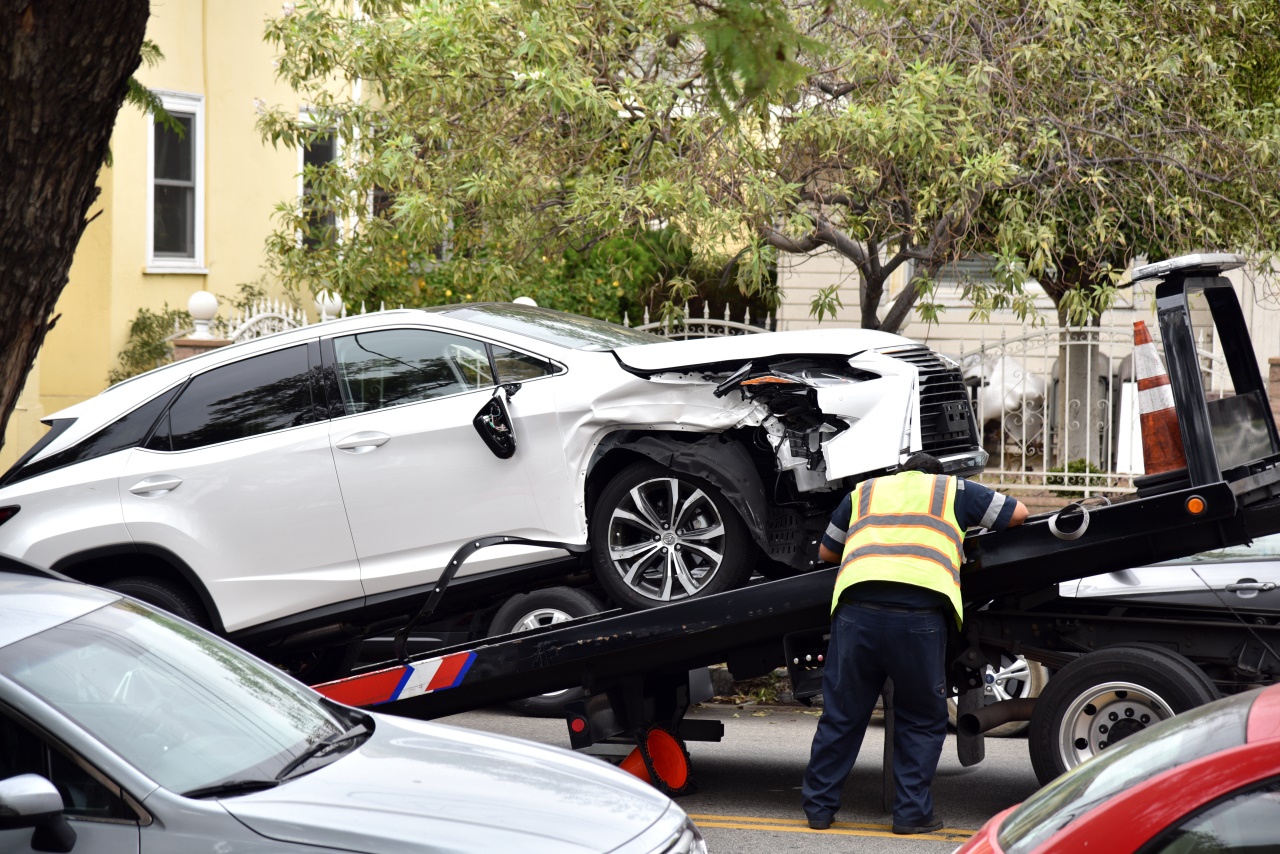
<point>666,539</point>
<point>1105,714</point>
<point>537,619</point>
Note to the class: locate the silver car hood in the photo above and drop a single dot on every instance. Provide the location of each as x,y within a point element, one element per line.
<point>422,787</point>
<point>671,355</point>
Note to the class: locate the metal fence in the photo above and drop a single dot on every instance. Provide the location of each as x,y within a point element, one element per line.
<point>705,326</point>
<point>1058,407</point>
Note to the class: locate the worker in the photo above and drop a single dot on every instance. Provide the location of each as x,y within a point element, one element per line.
<point>898,541</point>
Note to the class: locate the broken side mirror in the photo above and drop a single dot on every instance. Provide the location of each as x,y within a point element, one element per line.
<point>29,800</point>
<point>493,422</point>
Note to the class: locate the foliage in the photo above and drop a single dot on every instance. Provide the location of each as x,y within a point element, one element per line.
<point>1077,473</point>
<point>1061,138</point>
<point>139,96</point>
<point>148,346</point>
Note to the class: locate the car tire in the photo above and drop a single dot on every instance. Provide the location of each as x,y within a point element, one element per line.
<point>1128,687</point>
<point>526,611</point>
<point>638,549</point>
<point>172,596</point>
<point>1015,679</point>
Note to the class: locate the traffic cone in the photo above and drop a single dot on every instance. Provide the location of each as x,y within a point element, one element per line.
<point>669,760</point>
<point>1161,437</point>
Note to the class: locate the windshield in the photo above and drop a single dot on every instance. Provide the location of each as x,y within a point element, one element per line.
<point>571,331</point>
<point>181,706</point>
<point>1181,739</point>
<point>1263,548</point>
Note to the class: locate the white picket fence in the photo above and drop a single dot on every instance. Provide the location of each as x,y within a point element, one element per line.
<point>706,326</point>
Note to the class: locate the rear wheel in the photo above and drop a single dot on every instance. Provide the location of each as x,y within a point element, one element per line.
<point>526,611</point>
<point>172,596</point>
<point>660,536</point>
<point>1106,696</point>
<point>1011,678</point>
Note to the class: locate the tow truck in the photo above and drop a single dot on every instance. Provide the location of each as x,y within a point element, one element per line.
<point>1117,674</point>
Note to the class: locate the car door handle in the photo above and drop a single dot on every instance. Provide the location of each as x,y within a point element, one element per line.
<point>362,443</point>
<point>153,486</point>
<point>1251,585</point>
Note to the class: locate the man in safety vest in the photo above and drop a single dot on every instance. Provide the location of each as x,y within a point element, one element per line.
<point>898,542</point>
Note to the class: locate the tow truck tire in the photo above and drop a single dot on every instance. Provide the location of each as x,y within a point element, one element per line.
<point>1016,678</point>
<point>1107,695</point>
<point>526,611</point>
<point>701,538</point>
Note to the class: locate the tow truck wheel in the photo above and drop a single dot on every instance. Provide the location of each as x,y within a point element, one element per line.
<point>661,536</point>
<point>1014,678</point>
<point>526,611</point>
<point>1106,696</point>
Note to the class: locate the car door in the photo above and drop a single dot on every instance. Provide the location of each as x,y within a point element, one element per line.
<point>238,480</point>
<point>417,479</point>
<point>103,821</point>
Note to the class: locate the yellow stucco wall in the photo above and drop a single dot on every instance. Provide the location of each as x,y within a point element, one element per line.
<point>213,49</point>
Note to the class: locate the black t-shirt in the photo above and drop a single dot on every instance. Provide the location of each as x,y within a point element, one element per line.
<point>976,506</point>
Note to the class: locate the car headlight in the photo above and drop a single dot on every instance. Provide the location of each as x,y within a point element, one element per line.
<point>688,841</point>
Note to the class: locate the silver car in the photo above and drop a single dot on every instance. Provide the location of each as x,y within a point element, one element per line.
<point>123,729</point>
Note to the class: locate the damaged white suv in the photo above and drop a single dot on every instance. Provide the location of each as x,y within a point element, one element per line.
<point>323,476</point>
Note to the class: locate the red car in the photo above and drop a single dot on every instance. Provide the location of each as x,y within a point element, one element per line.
<point>1205,781</point>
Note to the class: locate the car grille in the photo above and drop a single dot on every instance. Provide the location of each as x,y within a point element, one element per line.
<point>946,414</point>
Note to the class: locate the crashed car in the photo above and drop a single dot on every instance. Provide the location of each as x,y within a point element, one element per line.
<point>300,482</point>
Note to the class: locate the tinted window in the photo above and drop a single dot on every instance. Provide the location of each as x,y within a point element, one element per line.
<point>1178,740</point>
<point>83,795</point>
<point>555,327</point>
<point>514,367</point>
<point>247,398</point>
<point>1245,823</point>
<point>125,432</point>
<point>392,367</point>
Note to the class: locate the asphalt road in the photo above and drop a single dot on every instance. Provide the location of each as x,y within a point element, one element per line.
<point>749,784</point>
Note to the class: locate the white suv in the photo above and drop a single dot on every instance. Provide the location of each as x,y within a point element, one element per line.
<point>302,486</point>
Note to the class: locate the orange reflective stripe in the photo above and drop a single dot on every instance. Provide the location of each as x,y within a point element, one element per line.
<point>921,552</point>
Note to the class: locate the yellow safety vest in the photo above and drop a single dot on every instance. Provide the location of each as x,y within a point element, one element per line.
<point>903,528</point>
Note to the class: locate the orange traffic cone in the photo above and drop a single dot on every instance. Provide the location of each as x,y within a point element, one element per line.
<point>1161,437</point>
<point>668,758</point>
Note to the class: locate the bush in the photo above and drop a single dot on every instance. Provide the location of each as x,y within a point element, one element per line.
<point>1082,469</point>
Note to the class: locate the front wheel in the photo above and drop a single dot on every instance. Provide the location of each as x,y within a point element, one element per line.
<point>1011,678</point>
<point>660,536</point>
<point>1106,696</point>
<point>548,607</point>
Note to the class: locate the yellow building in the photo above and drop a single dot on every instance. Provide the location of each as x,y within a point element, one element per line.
<point>176,216</point>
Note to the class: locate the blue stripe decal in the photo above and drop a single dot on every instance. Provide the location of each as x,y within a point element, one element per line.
<point>395,695</point>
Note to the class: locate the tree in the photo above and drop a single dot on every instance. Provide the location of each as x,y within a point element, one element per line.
<point>1061,137</point>
<point>64,72</point>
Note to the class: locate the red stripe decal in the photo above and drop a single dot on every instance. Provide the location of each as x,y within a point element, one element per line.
<point>366,690</point>
<point>450,670</point>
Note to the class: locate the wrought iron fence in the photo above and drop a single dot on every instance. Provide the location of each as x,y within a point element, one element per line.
<point>706,326</point>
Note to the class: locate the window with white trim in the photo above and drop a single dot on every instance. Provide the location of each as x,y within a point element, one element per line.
<point>175,188</point>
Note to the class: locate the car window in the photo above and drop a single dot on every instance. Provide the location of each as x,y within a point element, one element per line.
<point>181,706</point>
<point>1244,824</point>
<point>516,367</point>
<point>23,751</point>
<point>257,395</point>
<point>555,327</point>
<point>1178,740</point>
<point>1263,548</point>
<point>392,367</point>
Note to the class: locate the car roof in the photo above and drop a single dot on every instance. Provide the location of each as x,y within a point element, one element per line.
<point>33,601</point>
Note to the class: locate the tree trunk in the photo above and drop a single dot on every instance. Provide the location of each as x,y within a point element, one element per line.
<point>64,71</point>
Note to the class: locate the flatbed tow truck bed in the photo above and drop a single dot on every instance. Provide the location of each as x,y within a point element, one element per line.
<point>634,667</point>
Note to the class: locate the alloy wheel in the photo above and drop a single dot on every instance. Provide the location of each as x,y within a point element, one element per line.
<point>666,539</point>
<point>536,619</point>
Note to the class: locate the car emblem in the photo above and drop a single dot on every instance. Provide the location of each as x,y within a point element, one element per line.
<point>669,538</point>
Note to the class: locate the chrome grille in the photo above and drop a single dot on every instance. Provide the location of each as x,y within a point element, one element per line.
<point>946,415</point>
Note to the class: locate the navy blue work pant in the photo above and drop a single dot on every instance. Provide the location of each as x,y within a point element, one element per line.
<point>866,647</point>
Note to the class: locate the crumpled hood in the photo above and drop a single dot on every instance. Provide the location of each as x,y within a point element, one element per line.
<point>670,355</point>
<point>422,787</point>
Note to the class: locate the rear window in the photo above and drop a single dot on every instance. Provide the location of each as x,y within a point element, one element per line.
<point>571,331</point>
<point>1181,739</point>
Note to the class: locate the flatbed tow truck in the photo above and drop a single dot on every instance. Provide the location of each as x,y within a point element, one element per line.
<point>1116,674</point>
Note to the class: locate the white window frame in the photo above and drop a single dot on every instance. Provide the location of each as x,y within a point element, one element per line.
<point>178,102</point>
<point>307,117</point>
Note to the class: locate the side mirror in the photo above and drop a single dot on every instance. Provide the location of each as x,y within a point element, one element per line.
<point>30,800</point>
<point>493,423</point>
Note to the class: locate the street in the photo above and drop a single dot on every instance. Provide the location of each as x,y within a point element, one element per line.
<point>749,784</point>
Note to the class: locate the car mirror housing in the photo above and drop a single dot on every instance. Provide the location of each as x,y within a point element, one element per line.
<point>29,800</point>
<point>493,423</point>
